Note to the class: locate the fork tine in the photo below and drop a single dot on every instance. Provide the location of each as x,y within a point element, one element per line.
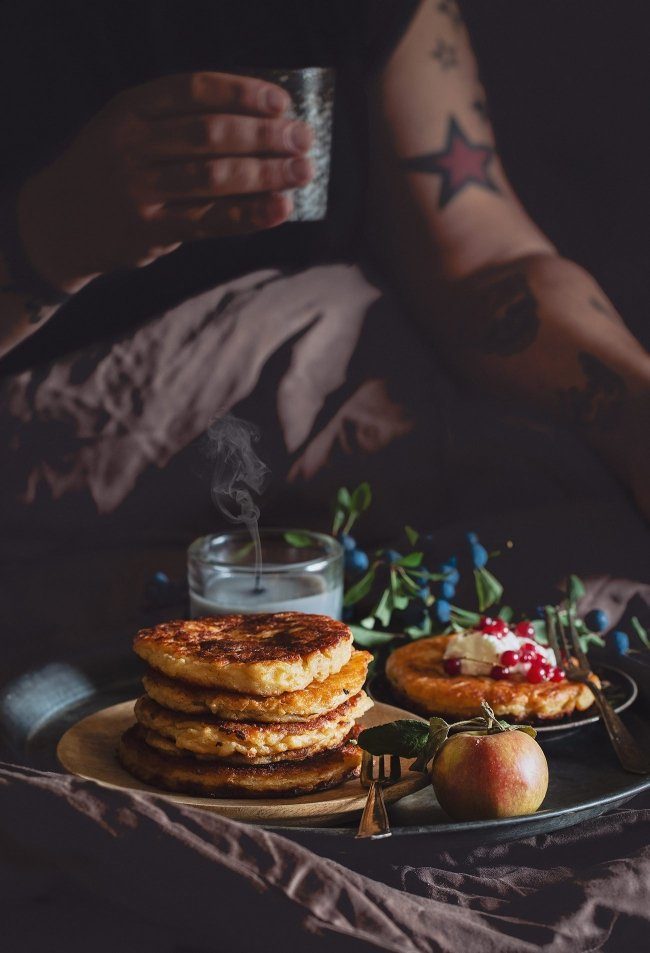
<point>575,639</point>
<point>381,776</point>
<point>366,769</point>
<point>395,767</point>
<point>551,632</point>
<point>563,637</point>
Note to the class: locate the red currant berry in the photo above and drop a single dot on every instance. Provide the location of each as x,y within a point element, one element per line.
<point>525,630</point>
<point>452,666</point>
<point>495,627</point>
<point>509,658</point>
<point>528,653</point>
<point>538,672</point>
<point>500,671</point>
<point>557,675</point>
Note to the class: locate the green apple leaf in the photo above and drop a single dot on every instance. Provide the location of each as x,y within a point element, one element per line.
<point>406,738</point>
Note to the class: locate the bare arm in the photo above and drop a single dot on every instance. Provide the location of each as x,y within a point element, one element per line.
<point>508,312</point>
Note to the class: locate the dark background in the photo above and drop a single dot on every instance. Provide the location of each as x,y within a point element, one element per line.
<point>568,84</point>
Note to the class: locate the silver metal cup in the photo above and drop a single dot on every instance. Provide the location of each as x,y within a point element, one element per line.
<point>312,98</point>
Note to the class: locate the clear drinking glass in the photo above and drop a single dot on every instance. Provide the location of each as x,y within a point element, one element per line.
<point>312,100</point>
<point>307,578</point>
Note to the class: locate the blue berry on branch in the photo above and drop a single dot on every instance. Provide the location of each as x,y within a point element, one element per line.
<point>597,620</point>
<point>356,560</point>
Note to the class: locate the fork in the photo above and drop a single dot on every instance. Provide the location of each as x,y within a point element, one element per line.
<point>374,820</point>
<point>575,665</point>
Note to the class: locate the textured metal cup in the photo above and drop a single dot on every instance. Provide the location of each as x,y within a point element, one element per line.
<point>312,98</point>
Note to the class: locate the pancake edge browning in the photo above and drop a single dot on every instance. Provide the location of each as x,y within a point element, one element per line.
<point>187,775</point>
<point>315,699</point>
<point>212,737</point>
<point>418,679</point>
<point>262,654</point>
<point>167,747</point>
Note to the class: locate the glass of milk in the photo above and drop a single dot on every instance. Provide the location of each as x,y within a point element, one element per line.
<point>223,577</point>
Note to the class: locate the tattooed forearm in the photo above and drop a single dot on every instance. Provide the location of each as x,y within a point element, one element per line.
<point>599,405</point>
<point>445,54</point>
<point>459,163</point>
<point>450,9</point>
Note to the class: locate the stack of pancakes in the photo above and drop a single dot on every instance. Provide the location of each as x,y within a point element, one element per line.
<point>247,706</point>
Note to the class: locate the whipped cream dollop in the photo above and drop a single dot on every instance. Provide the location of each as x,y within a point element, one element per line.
<point>480,651</point>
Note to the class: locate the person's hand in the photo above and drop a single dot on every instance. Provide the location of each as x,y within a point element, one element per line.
<point>182,158</point>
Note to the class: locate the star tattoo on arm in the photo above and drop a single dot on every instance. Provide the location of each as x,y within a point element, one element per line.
<point>459,164</point>
<point>450,9</point>
<point>446,55</point>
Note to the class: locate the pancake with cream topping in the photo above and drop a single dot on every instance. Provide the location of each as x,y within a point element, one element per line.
<point>416,674</point>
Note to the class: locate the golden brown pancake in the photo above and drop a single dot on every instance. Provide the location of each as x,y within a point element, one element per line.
<point>416,675</point>
<point>317,698</point>
<point>264,654</point>
<point>213,737</point>
<point>167,747</point>
<point>219,779</point>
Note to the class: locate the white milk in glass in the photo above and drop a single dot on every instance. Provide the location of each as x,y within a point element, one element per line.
<point>297,594</point>
<point>308,578</point>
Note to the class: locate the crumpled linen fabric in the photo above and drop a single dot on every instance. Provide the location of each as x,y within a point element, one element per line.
<point>136,402</point>
<point>187,880</point>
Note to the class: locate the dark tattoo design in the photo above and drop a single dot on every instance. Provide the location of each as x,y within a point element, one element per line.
<point>450,9</point>
<point>598,305</point>
<point>445,54</point>
<point>460,163</point>
<point>599,405</point>
<point>509,309</point>
<point>480,106</point>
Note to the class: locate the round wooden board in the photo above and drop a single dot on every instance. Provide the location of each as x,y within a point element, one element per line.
<point>88,750</point>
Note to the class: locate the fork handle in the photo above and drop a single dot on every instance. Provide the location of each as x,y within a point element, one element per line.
<point>374,820</point>
<point>630,755</point>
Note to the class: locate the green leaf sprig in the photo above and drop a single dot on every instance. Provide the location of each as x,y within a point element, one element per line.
<point>348,507</point>
<point>640,631</point>
<point>423,740</point>
<point>575,590</point>
<point>488,588</point>
<point>298,539</point>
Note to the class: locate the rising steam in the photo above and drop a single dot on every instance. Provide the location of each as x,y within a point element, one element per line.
<point>238,474</point>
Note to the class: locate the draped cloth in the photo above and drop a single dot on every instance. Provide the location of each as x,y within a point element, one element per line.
<point>104,869</point>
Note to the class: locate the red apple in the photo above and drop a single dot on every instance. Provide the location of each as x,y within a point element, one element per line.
<point>477,776</point>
